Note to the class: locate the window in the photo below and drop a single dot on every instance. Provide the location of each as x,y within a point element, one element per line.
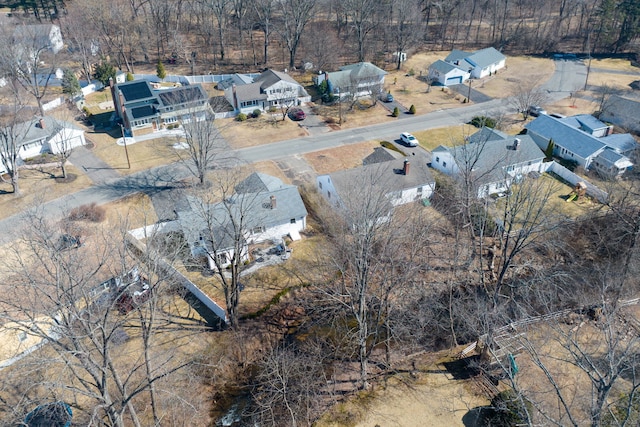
<point>444,164</point>
<point>320,185</point>
<point>437,159</point>
<point>329,194</point>
<point>257,230</point>
<point>222,258</point>
<point>293,220</point>
<point>419,190</point>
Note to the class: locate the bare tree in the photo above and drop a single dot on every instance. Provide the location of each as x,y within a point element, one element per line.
<point>264,16</point>
<point>363,16</point>
<point>203,144</point>
<point>295,14</point>
<point>29,60</point>
<point>12,134</point>
<point>526,95</point>
<point>83,304</point>
<point>405,26</point>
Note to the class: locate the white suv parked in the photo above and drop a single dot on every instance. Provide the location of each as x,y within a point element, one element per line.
<point>408,139</point>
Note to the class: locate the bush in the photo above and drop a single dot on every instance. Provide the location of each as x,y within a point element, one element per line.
<point>481,121</point>
<point>257,112</point>
<point>509,410</point>
<point>92,212</point>
<point>396,112</point>
<point>412,72</point>
<point>241,117</point>
<point>129,77</point>
<point>272,109</point>
<point>412,109</point>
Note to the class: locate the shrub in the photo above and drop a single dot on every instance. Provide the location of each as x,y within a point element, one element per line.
<point>412,72</point>
<point>412,109</point>
<point>396,112</point>
<point>92,212</point>
<point>509,410</point>
<point>330,120</point>
<point>481,121</point>
<point>257,112</point>
<point>241,117</point>
<point>129,77</point>
<point>272,109</point>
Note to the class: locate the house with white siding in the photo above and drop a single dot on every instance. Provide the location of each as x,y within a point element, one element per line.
<point>402,179</point>
<point>270,211</point>
<point>585,140</point>
<point>459,66</point>
<point>44,135</point>
<point>491,160</point>
<point>362,79</point>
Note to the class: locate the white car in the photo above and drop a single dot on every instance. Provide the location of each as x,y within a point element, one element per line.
<point>408,139</point>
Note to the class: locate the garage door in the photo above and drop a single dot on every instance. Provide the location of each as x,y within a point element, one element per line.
<point>454,80</point>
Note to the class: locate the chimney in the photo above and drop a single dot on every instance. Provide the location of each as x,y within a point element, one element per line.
<point>405,167</point>
<point>111,82</point>
<point>235,96</point>
<point>516,144</point>
<point>41,123</point>
<point>273,202</point>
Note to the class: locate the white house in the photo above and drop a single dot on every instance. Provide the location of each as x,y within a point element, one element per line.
<point>44,135</point>
<point>39,36</point>
<point>447,74</point>
<point>270,211</point>
<point>358,80</point>
<point>584,140</point>
<point>491,159</point>
<point>270,89</point>
<point>464,65</point>
<point>622,111</point>
<point>401,179</point>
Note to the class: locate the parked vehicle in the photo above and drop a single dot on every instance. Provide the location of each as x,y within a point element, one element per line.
<point>296,114</point>
<point>388,98</point>
<point>535,110</point>
<point>409,140</point>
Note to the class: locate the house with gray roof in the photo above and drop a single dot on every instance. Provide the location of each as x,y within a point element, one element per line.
<point>43,135</point>
<point>584,139</point>
<point>491,160</point>
<point>622,111</point>
<point>270,89</point>
<point>401,179</point>
<point>140,106</point>
<point>447,74</point>
<point>269,208</point>
<point>460,66</point>
<point>357,80</point>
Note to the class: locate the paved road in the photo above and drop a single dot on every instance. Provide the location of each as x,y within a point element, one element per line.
<point>568,77</point>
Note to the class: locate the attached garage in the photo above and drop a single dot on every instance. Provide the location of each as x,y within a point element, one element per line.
<point>447,74</point>
<point>453,81</point>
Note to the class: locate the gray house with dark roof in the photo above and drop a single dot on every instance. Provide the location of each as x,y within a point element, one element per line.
<point>140,106</point>
<point>357,80</point>
<point>491,159</point>
<point>270,89</point>
<point>401,179</point>
<point>584,140</point>
<point>270,210</point>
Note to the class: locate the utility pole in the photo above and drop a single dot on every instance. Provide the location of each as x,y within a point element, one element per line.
<point>339,108</point>
<point>586,80</point>
<point>469,95</point>
<point>124,141</point>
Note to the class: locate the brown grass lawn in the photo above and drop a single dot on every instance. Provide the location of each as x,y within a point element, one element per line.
<point>265,129</point>
<point>39,186</point>
<point>345,157</point>
<point>447,136</point>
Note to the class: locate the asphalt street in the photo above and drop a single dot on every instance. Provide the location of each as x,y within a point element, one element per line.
<point>109,186</point>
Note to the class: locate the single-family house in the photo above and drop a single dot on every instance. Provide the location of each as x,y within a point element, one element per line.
<point>464,65</point>
<point>401,179</point>
<point>269,208</point>
<point>447,74</point>
<point>584,140</point>
<point>354,80</point>
<point>44,135</point>
<point>491,160</point>
<point>139,106</point>
<point>622,111</point>
<point>39,36</point>
<point>270,89</point>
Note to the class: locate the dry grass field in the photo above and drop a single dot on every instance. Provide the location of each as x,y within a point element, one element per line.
<point>345,157</point>
<point>262,130</point>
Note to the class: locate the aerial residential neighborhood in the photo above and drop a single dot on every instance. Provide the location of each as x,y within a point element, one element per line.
<point>320,213</point>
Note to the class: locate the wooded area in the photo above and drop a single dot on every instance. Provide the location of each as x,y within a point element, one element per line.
<point>238,35</point>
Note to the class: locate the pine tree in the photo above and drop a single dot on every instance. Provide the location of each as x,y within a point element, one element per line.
<point>160,71</point>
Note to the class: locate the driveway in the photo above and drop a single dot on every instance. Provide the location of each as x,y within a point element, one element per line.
<point>567,77</point>
<point>476,96</point>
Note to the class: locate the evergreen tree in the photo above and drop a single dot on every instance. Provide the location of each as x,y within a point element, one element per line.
<point>104,71</point>
<point>160,71</point>
<point>70,84</point>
